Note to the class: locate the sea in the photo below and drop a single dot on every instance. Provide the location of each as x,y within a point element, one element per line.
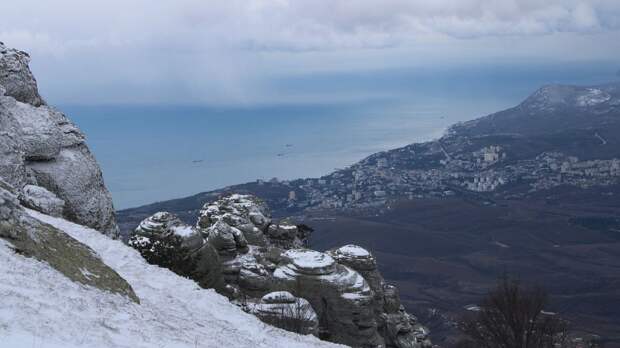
<point>151,153</point>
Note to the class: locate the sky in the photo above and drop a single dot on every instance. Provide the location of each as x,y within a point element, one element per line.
<point>253,52</point>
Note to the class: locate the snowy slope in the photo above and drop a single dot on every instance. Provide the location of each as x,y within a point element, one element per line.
<point>39,307</point>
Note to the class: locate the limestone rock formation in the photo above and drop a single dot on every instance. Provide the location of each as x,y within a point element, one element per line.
<point>31,238</point>
<point>263,266</point>
<point>402,327</point>
<point>40,146</point>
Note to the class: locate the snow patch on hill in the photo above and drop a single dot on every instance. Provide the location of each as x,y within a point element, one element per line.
<point>41,308</point>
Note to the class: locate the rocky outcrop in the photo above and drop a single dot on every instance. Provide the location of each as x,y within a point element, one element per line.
<point>29,237</point>
<point>40,146</point>
<point>263,266</point>
<point>340,295</point>
<point>400,328</point>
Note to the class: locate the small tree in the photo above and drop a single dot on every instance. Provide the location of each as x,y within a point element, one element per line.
<point>512,316</point>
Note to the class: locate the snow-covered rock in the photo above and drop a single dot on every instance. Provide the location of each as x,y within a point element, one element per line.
<point>40,199</point>
<point>266,270</point>
<point>354,256</point>
<point>310,262</point>
<point>163,224</point>
<point>279,297</point>
<point>246,213</point>
<point>40,146</point>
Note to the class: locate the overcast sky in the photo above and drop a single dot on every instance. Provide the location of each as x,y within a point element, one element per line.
<point>239,52</point>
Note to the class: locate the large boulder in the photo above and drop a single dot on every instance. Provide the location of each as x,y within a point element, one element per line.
<point>40,146</point>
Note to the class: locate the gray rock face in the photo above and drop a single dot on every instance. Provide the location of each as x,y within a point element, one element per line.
<point>341,296</point>
<point>402,329</point>
<point>16,77</point>
<point>267,271</point>
<point>40,199</point>
<point>40,146</point>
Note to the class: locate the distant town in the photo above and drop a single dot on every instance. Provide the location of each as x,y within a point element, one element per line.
<point>433,170</point>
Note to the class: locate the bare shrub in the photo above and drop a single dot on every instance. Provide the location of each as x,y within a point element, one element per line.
<point>512,316</point>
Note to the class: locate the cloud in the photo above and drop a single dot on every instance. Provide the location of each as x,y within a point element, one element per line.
<point>225,50</point>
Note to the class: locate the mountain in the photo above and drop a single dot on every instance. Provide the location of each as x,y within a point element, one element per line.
<point>531,190</point>
<point>553,108</point>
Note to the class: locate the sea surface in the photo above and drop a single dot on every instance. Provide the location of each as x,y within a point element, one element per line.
<point>153,153</point>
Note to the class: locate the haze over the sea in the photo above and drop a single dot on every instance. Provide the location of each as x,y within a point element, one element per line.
<point>151,153</point>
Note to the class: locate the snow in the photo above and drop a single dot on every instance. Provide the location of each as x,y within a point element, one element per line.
<point>279,297</point>
<point>354,296</point>
<point>42,308</point>
<point>183,231</point>
<point>309,259</point>
<point>353,251</point>
<point>288,227</point>
<point>592,97</point>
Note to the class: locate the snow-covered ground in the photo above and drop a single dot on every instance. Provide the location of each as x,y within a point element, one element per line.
<point>40,308</point>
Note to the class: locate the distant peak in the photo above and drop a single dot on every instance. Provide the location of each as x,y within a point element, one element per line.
<point>551,97</point>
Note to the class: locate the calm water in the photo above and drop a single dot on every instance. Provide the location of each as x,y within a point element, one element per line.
<point>154,153</point>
